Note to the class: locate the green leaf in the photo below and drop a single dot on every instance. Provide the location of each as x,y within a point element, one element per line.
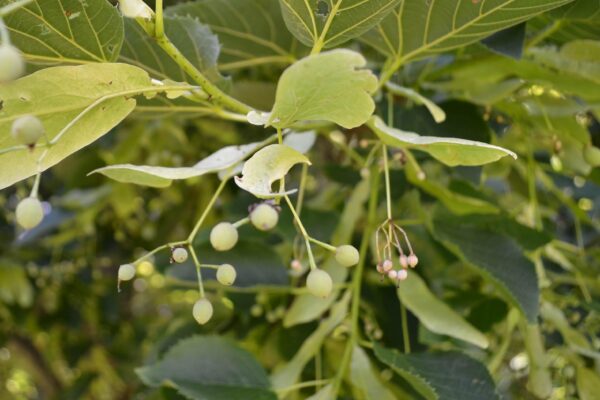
<point>435,314</point>
<point>450,151</point>
<point>209,368</point>
<point>145,175</point>
<point>250,32</point>
<point>195,41</point>
<point>495,255</point>
<point>307,307</point>
<point>579,57</point>
<point>418,28</point>
<point>66,31</point>
<point>287,374</point>
<point>266,166</point>
<point>333,22</point>
<point>436,112</point>
<point>443,376</point>
<point>325,393</point>
<point>365,379</point>
<point>588,383</point>
<point>328,86</point>
<point>574,338</point>
<point>101,95</point>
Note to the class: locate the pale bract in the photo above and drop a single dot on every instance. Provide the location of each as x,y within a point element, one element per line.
<point>267,166</point>
<point>330,86</point>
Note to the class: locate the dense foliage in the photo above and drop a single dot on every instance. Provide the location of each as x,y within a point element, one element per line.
<point>261,199</point>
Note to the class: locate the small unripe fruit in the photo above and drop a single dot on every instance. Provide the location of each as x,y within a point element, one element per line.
<point>12,65</point>
<point>556,163</point>
<point>179,255</point>
<point>202,311</point>
<point>402,275</point>
<point>393,274</point>
<point>126,272</point>
<point>27,130</point>
<point>256,310</point>
<point>347,255</point>
<point>591,155</point>
<point>226,274</point>
<point>264,217</point>
<point>413,260</point>
<point>223,236</point>
<point>319,283</point>
<point>29,213</point>
<point>387,265</point>
<point>379,268</point>
<point>135,9</point>
<point>403,260</point>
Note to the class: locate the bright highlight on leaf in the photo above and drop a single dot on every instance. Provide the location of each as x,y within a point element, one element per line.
<point>330,86</point>
<point>267,166</point>
<point>450,151</point>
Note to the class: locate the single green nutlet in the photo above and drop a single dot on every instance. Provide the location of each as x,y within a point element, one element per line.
<point>126,272</point>
<point>12,65</point>
<point>223,236</point>
<point>347,255</point>
<point>264,217</point>
<point>319,283</point>
<point>179,255</point>
<point>27,130</point>
<point>29,213</point>
<point>226,274</point>
<point>202,311</point>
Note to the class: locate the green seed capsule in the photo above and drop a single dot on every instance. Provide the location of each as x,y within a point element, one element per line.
<point>264,217</point>
<point>226,274</point>
<point>126,272</point>
<point>12,65</point>
<point>202,311</point>
<point>29,213</point>
<point>27,130</point>
<point>179,255</point>
<point>347,255</point>
<point>223,236</point>
<point>319,283</point>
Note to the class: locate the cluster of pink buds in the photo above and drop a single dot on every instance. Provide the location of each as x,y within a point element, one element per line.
<point>386,239</point>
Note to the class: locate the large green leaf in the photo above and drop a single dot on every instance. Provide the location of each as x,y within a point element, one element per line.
<point>443,376</point>
<point>435,314</point>
<point>209,368</point>
<point>266,166</point>
<point>450,151</point>
<point>420,28</point>
<point>250,32</point>
<point>328,86</point>
<point>66,31</point>
<point>497,256</point>
<point>333,22</point>
<point>195,41</point>
<point>579,57</point>
<point>99,95</point>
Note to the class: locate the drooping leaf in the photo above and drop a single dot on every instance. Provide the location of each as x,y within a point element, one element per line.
<point>436,315</point>
<point>101,94</point>
<point>333,22</point>
<point>508,42</point>
<point>288,374</point>
<point>443,376</point>
<point>307,307</point>
<point>66,31</point>
<point>450,151</point>
<point>436,112</point>
<point>365,379</point>
<point>417,28</point>
<point>195,41</point>
<point>495,255</point>
<point>250,32</point>
<point>328,86</point>
<point>266,166</point>
<point>146,175</point>
<point>209,368</point>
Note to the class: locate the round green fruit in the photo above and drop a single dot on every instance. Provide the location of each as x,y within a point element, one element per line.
<point>319,283</point>
<point>12,65</point>
<point>591,155</point>
<point>202,311</point>
<point>179,255</point>
<point>264,217</point>
<point>29,213</point>
<point>226,274</point>
<point>223,236</point>
<point>27,130</point>
<point>347,255</point>
<point>126,272</point>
